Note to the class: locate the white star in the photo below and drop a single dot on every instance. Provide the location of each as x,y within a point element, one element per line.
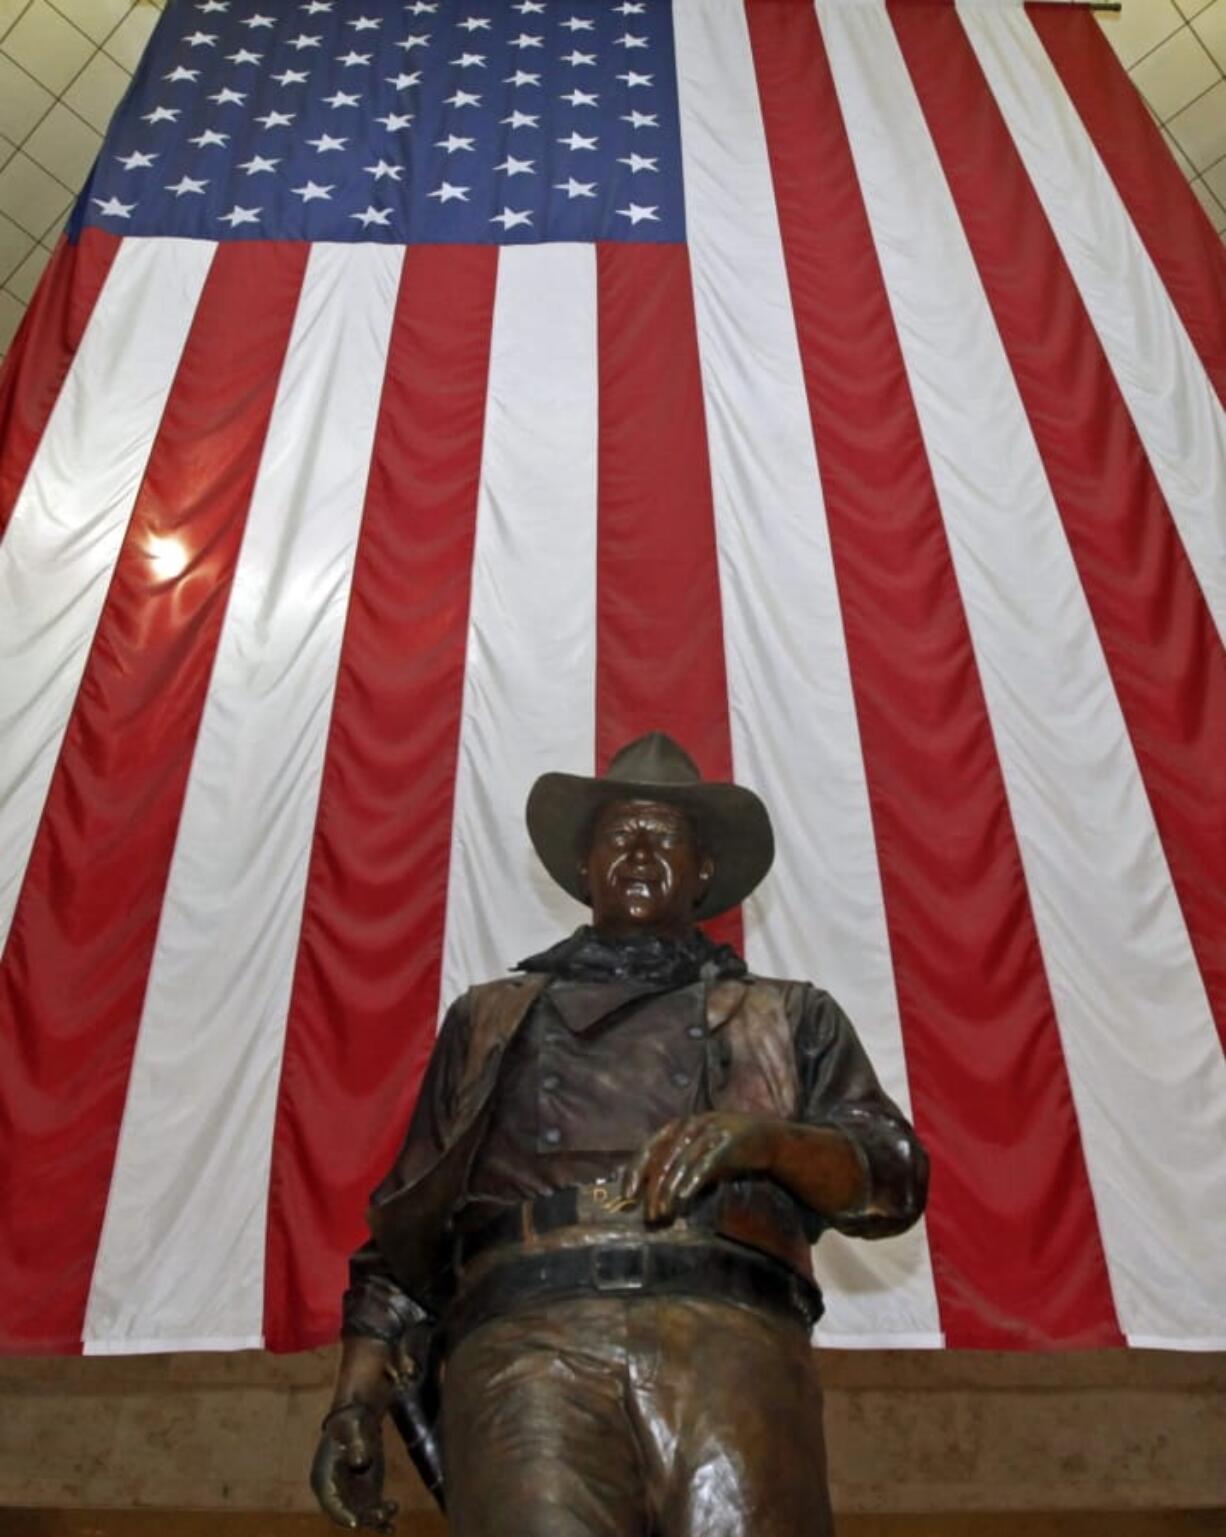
<point>579,98</point>
<point>179,73</point>
<point>238,215</point>
<point>577,141</point>
<point>636,214</point>
<point>629,8</point>
<point>510,217</point>
<point>422,8</point>
<point>292,77</point>
<point>385,168</point>
<point>576,58</point>
<point>370,216</point>
<point>113,206</point>
<point>462,99</point>
<point>342,99</point>
<point>365,23</point>
<point>304,41</point>
<point>638,162</point>
<point>325,142</point>
<point>515,167</point>
<point>226,94</point>
<point>276,119</point>
<point>313,7</point>
<point>213,5</point>
<point>210,136</point>
<point>402,82</point>
<point>259,163</point>
<point>257,21</point>
<point>351,59</point>
<point>452,143</point>
<point>632,79</point>
<point>529,7</point>
<point>573,188</point>
<point>468,60</point>
<point>525,40</point>
<point>626,40</point>
<point>394,121</point>
<point>201,39</point>
<point>136,161</point>
<point>449,194</point>
<point>415,40</point>
<point>161,115</point>
<point>641,119</point>
<point>578,24</point>
<point>244,56</point>
<point>186,184</point>
<point>521,120</point>
<point>311,191</point>
<point>521,77</point>
<point>475,23</point>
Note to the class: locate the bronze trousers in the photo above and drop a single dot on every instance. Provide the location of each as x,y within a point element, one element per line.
<point>635,1417</point>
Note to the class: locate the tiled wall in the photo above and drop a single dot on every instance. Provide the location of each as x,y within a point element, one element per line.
<point>64,65</point>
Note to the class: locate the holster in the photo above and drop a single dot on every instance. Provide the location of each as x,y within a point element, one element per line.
<point>415,1407</point>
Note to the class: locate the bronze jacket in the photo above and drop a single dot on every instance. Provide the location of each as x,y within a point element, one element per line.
<point>772,1047</point>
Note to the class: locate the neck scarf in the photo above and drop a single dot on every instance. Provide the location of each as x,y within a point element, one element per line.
<point>587,956</point>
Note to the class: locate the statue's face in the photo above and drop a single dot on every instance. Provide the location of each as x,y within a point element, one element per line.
<point>644,870</point>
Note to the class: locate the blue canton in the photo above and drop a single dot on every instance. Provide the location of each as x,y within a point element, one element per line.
<point>408,121</point>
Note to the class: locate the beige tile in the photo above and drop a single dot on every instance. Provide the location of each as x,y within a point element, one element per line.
<point>1192,8</point>
<point>24,280</point>
<point>1215,180</point>
<point>30,196</point>
<point>53,231</point>
<point>96,91</point>
<point>22,100</point>
<point>1176,73</point>
<point>6,149</point>
<point>127,42</point>
<point>1210,27</point>
<point>47,47</point>
<point>1180,159</point>
<point>96,18</point>
<point>1200,130</point>
<point>15,246</point>
<point>1206,199</point>
<point>64,145</point>
<point>1140,26</point>
<point>9,12</point>
<point>11,311</point>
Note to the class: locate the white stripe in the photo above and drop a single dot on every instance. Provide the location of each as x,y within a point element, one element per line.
<point>1145,1066</point>
<point>529,684</point>
<point>1170,397</point>
<point>68,525</point>
<point>182,1250</point>
<point>794,733</point>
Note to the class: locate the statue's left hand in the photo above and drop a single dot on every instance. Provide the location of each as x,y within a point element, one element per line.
<point>700,1150</point>
<point>347,1473</point>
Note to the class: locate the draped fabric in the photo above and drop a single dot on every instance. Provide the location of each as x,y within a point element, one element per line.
<point>882,462</point>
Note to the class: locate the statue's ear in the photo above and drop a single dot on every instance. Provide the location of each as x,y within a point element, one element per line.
<point>583,881</point>
<point>706,871</point>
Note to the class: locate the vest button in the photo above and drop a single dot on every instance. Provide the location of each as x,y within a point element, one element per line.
<point>551,1081</point>
<point>695,1032</point>
<point>681,1080</point>
<point>551,1135</point>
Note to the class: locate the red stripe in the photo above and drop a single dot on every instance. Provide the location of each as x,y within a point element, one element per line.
<point>1162,649</point>
<point>45,345</point>
<point>366,989</point>
<point>1173,227</point>
<point>659,624</point>
<point>73,977</point>
<point>1017,1257</point>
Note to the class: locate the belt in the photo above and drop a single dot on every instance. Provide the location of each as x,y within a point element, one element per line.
<point>573,1206</point>
<point>708,1270</point>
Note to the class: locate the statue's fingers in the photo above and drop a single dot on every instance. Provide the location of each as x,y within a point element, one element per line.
<point>329,1497</point>
<point>636,1174</point>
<point>700,1170</point>
<point>662,1193</point>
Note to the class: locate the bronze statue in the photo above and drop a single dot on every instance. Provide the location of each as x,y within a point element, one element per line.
<point>597,1233</point>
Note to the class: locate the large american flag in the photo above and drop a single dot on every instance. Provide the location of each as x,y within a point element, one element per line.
<point>428,395</point>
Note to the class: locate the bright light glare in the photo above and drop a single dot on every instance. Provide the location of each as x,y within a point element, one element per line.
<point>166,555</point>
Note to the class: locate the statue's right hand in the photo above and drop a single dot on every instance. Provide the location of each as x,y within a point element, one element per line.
<point>347,1473</point>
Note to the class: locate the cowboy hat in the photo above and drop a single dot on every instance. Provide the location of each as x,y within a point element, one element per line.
<point>731,823</point>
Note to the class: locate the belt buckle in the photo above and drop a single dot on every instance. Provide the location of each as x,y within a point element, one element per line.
<point>621,1269</point>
